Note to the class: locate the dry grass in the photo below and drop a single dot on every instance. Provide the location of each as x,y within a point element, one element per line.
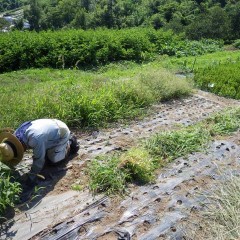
<point>220,219</point>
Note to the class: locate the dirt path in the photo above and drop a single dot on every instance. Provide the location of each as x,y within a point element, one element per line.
<point>148,212</point>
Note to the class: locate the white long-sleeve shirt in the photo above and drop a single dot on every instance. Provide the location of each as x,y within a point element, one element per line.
<point>45,135</point>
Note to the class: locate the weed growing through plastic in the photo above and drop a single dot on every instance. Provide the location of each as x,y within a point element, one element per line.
<point>139,165</point>
<point>106,175</point>
<point>174,144</point>
<point>111,174</point>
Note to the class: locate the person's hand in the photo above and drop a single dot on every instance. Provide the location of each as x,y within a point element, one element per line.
<point>29,180</point>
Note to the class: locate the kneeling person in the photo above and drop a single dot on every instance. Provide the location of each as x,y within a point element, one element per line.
<point>49,138</point>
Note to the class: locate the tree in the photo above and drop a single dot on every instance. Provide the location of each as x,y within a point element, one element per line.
<point>80,19</point>
<point>33,15</point>
<point>233,11</point>
<point>214,24</point>
<point>4,23</point>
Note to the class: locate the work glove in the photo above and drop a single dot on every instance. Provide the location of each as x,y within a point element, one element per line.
<point>29,180</point>
<point>74,145</point>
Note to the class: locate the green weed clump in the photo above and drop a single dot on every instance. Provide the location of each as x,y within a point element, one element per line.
<point>9,190</point>
<point>221,79</point>
<point>106,175</point>
<point>139,164</point>
<point>174,144</point>
<point>224,123</point>
<point>112,173</point>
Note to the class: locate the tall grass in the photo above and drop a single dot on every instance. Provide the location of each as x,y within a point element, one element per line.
<point>83,98</point>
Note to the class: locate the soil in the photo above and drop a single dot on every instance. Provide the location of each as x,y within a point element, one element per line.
<point>154,211</point>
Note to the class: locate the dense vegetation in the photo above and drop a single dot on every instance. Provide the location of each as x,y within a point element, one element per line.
<point>6,5</point>
<point>83,99</point>
<point>79,48</point>
<point>217,19</point>
<point>206,18</point>
<point>221,79</point>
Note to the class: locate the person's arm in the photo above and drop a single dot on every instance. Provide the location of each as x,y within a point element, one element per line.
<point>37,143</point>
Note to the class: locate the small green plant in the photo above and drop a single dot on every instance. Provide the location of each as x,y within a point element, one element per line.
<point>77,187</point>
<point>9,190</point>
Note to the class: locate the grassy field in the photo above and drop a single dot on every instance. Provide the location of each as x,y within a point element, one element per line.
<point>193,63</point>
<point>83,99</point>
<point>109,93</point>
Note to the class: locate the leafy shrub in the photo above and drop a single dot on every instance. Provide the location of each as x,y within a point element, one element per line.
<point>221,79</point>
<point>84,49</point>
<point>237,43</point>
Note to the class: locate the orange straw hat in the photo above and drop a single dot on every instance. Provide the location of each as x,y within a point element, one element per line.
<point>11,149</point>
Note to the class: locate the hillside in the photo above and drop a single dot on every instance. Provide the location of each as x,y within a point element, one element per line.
<point>193,18</point>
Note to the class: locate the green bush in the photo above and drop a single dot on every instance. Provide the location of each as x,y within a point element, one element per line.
<point>84,49</point>
<point>138,163</point>
<point>221,79</point>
